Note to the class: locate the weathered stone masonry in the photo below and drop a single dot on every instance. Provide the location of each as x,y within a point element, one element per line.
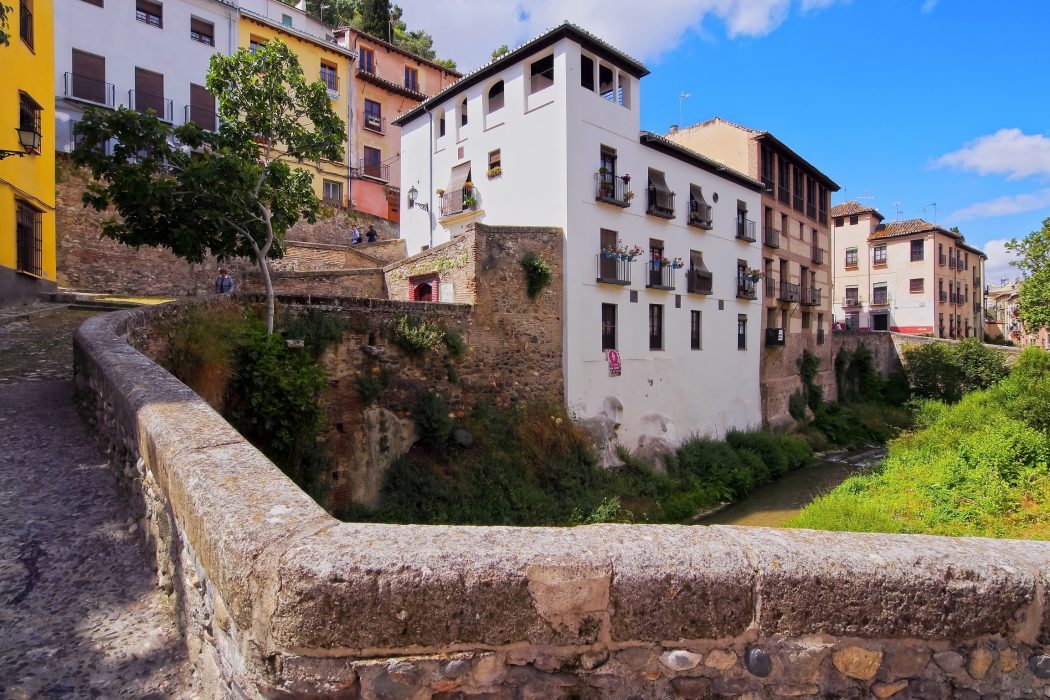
<point>278,598</point>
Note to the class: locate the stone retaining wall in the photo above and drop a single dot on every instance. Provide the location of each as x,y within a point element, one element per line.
<point>333,283</point>
<point>888,347</point>
<point>278,599</point>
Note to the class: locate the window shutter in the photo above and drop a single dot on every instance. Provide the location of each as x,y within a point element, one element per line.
<point>89,77</point>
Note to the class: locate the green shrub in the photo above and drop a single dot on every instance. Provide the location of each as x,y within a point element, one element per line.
<point>431,414</point>
<point>795,451</point>
<point>856,376</point>
<point>537,273</point>
<point>371,386</point>
<point>203,347</point>
<point>980,366</point>
<point>797,405</point>
<point>415,336</point>
<point>457,347</point>
<point>896,390</point>
<point>933,372</point>
<point>317,329</point>
<point>766,445</point>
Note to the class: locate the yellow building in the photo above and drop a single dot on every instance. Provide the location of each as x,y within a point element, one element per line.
<point>27,148</point>
<point>320,60</point>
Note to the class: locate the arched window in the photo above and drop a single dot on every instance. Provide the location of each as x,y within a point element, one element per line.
<point>495,97</point>
<point>463,112</point>
<point>424,292</point>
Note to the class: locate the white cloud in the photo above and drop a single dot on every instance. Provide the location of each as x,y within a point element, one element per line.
<point>468,31</point>
<point>928,5</point>
<point>1007,152</point>
<point>1003,206</point>
<point>998,264</point>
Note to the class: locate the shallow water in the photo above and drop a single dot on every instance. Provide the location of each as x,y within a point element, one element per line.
<point>777,502</point>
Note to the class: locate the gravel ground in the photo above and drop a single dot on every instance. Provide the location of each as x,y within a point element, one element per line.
<point>80,613</point>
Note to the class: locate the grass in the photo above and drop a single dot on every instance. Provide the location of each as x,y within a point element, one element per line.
<point>980,467</point>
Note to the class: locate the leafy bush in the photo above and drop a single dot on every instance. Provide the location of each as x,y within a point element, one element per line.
<point>457,347</point>
<point>431,414</point>
<point>202,349</point>
<point>537,273</point>
<point>979,467</point>
<point>945,372</point>
<point>856,376</point>
<point>416,336</point>
<point>981,367</point>
<point>797,405</point>
<point>317,329</point>
<point>371,386</point>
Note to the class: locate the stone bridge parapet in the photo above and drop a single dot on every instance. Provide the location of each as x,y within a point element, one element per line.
<point>278,599</point>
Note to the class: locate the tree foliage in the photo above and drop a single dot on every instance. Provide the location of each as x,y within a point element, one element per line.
<point>945,372</point>
<point>1033,252</point>
<point>500,52</point>
<point>5,38</point>
<point>230,193</point>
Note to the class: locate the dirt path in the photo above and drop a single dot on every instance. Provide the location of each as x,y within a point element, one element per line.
<point>80,613</point>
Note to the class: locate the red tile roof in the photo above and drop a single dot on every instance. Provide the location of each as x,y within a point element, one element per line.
<point>910,227</point>
<point>852,208</point>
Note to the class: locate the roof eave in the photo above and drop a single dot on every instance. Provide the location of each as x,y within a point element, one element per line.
<point>831,184</point>
<point>659,143</point>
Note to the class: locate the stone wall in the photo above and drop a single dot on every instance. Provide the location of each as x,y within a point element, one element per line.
<point>451,263</point>
<point>335,224</point>
<point>301,256</point>
<point>349,283</point>
<point>780,375</point>
<point>277,599</point>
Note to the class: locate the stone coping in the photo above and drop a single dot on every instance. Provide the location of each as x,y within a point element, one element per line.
<point>297,581</point>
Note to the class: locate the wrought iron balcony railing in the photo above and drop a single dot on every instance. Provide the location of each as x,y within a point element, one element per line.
<point>464,199</point>
<point>746,288</point>
<point>811,296</point>
<point>143,101</point>
<point>92,90</point>
<point>204,118</point>
<point>613,190</point>
<point>660,276</point>
<point>660,203</point>
<point>700,215</point>
<point>818,255</point>
<point>373,122</point>
<point>613,269</point>
<point>790,292</point>
<point>376,171</point>
<point>771,237</point>
<point>745,230</point>
<point>699,281</point>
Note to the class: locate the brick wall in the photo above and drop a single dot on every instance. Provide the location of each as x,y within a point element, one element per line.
<point>781,378</point>
<point>300,256</point>
<point>334,226</point>
<point>365,283</point>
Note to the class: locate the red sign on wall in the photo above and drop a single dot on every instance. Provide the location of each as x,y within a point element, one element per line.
<point>614,362</point>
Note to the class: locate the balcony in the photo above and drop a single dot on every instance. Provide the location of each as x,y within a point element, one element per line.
<point>466,199</point>
<point>371,170</point>
<point>817,255</point>
<point>202,117</point>
<point>746,288</point>
<point>811,210</point>
<point>143,101</point>
<point>700,215</point>
<point>811,296</point>
<point>784,194</point>
<point>771,237</point>
<point>960,300</point>
<point>614,269</point>
<point>789,292</point>
<point>767,180</point>
<point>942,259</point>
<point>660,204</point>
<point>745,230</point>
<point>943,297</point>
<point>951,263</point>
<point>97,92</point>
<point>699,281</point>
<point>822,216</point>
<point>660,276</point>
<point>612,190</point>
<point>771,287</point>
<point>775,337</point>
<point>850,302</point>
<point>797,204</point>
<point>373,122</point>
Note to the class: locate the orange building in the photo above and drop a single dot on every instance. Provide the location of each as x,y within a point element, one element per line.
<point>387,82</point>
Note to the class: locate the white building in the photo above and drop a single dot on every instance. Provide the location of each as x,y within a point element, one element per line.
<point>148,54</point>
<point>547,136</point>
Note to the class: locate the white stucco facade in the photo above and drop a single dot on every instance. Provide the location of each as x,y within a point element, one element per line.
<point>550,144</point>
<point>125,43</point>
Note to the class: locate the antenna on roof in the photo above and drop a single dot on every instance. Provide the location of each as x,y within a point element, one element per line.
<point>681,99</point>
<point>865,195</point>
<point>923,210</point>
<point>898,206</point>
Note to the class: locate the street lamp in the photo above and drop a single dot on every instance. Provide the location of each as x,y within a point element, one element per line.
<point>413,196</point>
<point>29,139</point>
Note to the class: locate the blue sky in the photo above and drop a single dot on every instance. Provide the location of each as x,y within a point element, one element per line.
<point>907,101</point>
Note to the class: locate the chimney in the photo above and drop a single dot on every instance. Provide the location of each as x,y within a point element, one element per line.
<point>673,129</point>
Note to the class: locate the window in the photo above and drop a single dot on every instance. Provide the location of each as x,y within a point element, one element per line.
<point>879,295</point>
<point>29,117</point>
<point>30,239</point>
<point>853,220</point>
<point>851,257</point>
<point>807,320</point>
<point>149,12</point>
<point>839,221</point>
<point>25,21</point>
<point>494,162</point>
<point>656,326</point>
<point>495,97</point>
<point>372,161</point>
<point>797,180</point>
<point>541,74</point>
<point>88,81</point>
<point>202,107</point>
<point>149,93</point>
<point>329,76</point>
<point>412,79</point>
<point>880,255</point>
<point>373,116</point>
<point>608,326</point>
<point>783,183</point>
<point>606,87</point>
<point>695,336</point>
<point>441,126</point>
<point>202,31</point>
<point>254,43</point>
<point>699,210</point>
<point>741,332</point>
<point>587,73</point>
<point>286,20</point>
<point>463,112</point>
<point>332,192</point>
<point>366,59</point>
<point>916,250</point>
<point>852,297</point>
<point>699,280</point>
<point>915,286</point>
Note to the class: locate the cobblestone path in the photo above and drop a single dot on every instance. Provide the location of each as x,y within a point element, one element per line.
<point>80,614</point>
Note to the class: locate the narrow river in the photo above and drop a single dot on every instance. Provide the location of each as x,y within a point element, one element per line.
<point>777,502</point>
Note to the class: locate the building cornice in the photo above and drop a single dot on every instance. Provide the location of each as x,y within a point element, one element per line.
<point>687,155</point>
<point>297,33</point>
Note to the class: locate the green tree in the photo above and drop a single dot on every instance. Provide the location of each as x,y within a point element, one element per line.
<point>337,13</point>
<point>1033,253</point>
<point>5,38</point>
<point>376,16</point>
<point>229,193</point>
<point>500,52</point>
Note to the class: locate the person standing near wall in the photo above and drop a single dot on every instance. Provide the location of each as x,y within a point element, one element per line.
<point>372,236</point>
<point>355,235</point>
<point>223,283</point>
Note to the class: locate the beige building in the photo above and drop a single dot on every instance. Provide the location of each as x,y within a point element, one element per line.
<point>1005,321</point>
<point>906,276</point>
<point>793,227</point>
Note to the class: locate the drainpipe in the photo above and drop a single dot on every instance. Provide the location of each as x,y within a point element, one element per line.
<point>430,182</point>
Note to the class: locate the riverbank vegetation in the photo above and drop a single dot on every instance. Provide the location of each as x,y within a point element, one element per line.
<point>976,467</point>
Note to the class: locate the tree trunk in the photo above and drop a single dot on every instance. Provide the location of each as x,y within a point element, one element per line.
<point>265,267</point>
